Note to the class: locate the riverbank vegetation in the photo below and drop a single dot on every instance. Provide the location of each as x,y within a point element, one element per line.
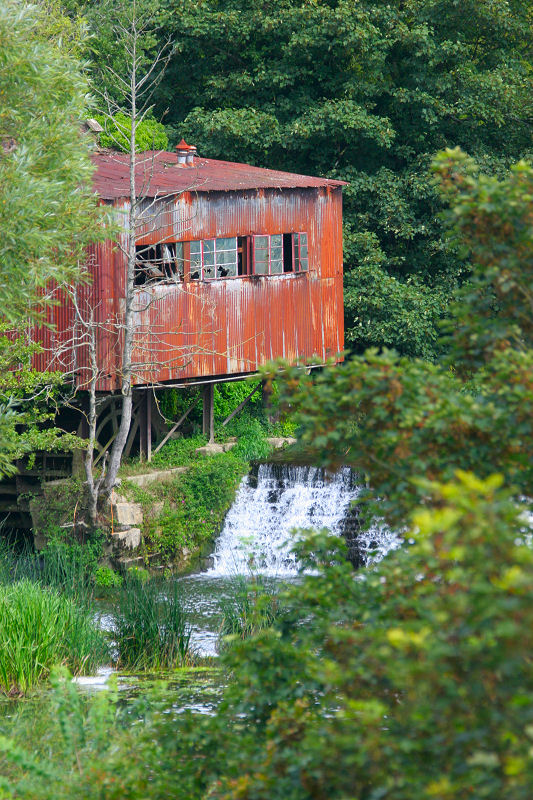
<point>40,628</point>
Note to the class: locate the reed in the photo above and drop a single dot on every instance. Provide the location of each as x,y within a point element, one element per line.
<point>253,606</point>
<point>66,568</point>
<point>40,628</point>
<point>151,630</point>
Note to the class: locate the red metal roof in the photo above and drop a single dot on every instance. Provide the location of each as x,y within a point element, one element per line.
<point>158,173</point>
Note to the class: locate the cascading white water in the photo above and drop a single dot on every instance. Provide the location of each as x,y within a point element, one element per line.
<point>257,533</point>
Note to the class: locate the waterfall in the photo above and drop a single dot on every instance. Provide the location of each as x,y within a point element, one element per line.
<point>278,498</point>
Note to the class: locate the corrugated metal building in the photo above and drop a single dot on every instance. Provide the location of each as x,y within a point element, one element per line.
<point>236,265</point>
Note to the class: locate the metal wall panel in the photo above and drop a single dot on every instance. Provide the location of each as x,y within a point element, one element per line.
<point>225,326</point>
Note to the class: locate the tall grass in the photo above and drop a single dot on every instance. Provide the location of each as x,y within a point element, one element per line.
<point>40,628</point>
<point>151,630</point>
<point>253,606</point>
<point>67,568</point>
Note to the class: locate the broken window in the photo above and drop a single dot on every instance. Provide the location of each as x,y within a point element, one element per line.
<point>159,263</point>
<point>215,258</point>
<point>226,257</point>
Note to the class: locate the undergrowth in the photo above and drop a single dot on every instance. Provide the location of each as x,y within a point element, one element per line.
<point>194,504</point>
<point>253,606</point>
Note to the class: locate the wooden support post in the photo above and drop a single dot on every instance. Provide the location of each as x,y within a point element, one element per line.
<point>175,427</point>
<point>208,417</point>
<point>143,443</point>
<point>148,425</point>
<point>241,405</point>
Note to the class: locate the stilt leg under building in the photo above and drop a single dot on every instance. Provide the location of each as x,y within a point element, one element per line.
<point>208,419</point>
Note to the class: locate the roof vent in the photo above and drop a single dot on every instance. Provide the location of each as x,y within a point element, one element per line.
<point>186,152</point>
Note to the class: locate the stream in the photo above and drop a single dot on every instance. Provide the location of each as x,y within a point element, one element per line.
<point>272,503</point>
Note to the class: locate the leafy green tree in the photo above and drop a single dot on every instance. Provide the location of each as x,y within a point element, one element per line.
<point>46,201</point>
<point>150,133</point>
<point>28,404</point>
<point>47,209</point>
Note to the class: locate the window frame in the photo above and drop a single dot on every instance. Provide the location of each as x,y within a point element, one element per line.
<point>268,236</point>
<point>297,259</point>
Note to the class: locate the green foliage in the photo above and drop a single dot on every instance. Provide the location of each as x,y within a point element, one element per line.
<point>28,403</point>
<point>395,687</point>
<point>67,568</point>
<point>179,452</point>
<point>492,219</point>
<point>105,578</point>
<point>173,403</point>
<point>251,443</point>
<point>149,133</point>
<point>227,396</point>
<point>253,606</point>
<point>40,628</point>
<point>48,213</point>
<point>47,210</point>
<point>151,631</point>
<point>138,573</point>
<point>194,504</point>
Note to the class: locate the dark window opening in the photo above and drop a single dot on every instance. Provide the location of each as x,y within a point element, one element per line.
<point>242,256</point>
<point>287,252</point>
<point>159,263</point>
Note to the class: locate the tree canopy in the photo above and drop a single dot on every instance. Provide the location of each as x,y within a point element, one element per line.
<point>47,209</point>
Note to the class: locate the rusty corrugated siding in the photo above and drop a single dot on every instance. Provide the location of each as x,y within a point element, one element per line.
<point>221,327</point>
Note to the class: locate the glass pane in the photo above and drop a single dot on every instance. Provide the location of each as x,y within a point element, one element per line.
<point>227,257</point>
<point>227,270</point>
<point>229,243</point>
<point>209,259</point>
<point>209,272</point>
<point>209,246</point>
<point>276,267</point>
<point>261,268</point>
<point>276,253</point>
<point>261,241</point>
<point>303,239</point>
<point>276,240</point>
<point>196,248</point>
<point>304,265</point>
<point>303,251</point>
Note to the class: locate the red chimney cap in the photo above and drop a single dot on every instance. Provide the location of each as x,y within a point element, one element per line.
<point>184,146</point>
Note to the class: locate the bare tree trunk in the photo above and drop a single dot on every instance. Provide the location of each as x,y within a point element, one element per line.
<point>127,349</point>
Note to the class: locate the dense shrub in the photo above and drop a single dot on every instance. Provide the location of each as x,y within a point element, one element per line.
<point>412,682</point>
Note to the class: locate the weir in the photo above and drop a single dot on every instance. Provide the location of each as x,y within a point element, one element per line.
<point>276,499</point>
